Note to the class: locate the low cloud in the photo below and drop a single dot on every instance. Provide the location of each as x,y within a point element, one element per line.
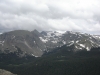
<point>77,15</point>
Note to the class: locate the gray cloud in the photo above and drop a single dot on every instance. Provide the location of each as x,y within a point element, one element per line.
<point>77,15</point>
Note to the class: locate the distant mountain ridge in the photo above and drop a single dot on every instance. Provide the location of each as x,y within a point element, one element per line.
<point>34,43</point>
<point>80,40</point>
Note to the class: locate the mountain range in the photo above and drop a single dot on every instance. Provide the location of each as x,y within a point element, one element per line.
<point>35,43</point>
<point>25,52</point>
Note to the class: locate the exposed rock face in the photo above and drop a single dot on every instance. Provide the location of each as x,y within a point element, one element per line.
<point>20,40</point>
<point>4,72</point>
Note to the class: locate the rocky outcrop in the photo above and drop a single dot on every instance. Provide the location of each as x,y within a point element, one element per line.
<point>4,72</point>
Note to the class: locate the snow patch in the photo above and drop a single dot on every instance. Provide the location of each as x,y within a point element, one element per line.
<point>34,55</point>
<point>64,42</point>
<point>54,41</point>
<point>87,48</point>
<point>96,36</point>
<point>43,40</point>
<point>34,42</point>
<point>2,42</point>
<point>82,45</point>
<point>80,35</point>
<point>90,37</point>
<point>91,41</point>
<point>71,43</point>
<point>77,41</point>
<point>62,32</point>
<point>80,48</point>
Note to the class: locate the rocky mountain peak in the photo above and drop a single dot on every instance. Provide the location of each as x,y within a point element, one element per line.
<point>23,40</point>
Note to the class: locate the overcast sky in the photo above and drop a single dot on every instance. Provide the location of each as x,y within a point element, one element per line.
<point>65,15</point>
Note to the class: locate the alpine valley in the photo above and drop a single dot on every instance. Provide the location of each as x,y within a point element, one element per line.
<point>25,52</point>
